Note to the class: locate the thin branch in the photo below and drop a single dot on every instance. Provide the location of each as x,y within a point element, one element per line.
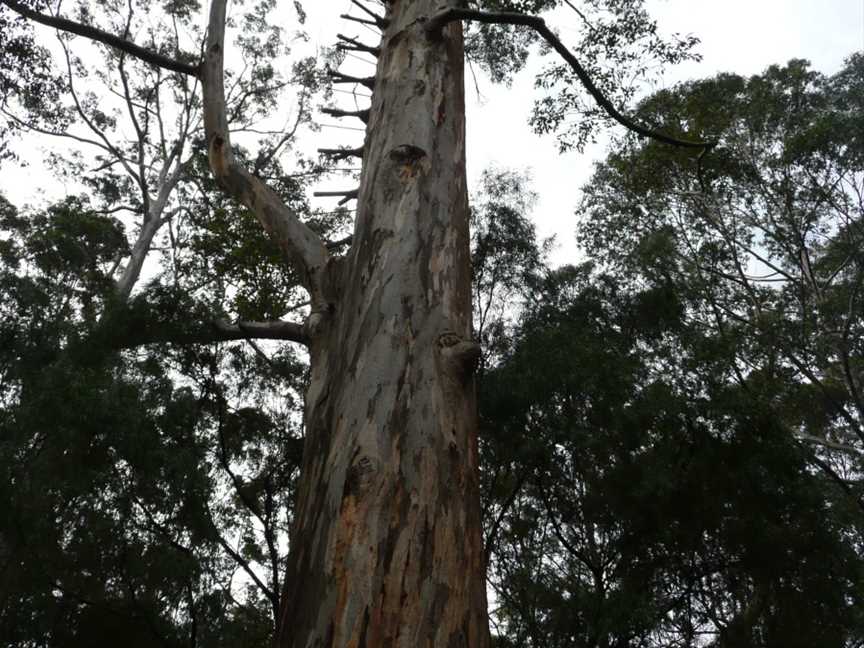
<point>362,21</point>
<point>342,153</point>
<point>247,502</point>
<point>837,479</point>
<point>338,77</point>
<point>829,444</point>
<point>79,108</point>
<point>437,22</point>
<point>244,564</point>
<point>505,507</point>
<point>347,194</point>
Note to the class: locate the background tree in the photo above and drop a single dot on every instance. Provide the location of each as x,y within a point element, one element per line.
<point>176,529</point>
<point>763,236</point>
<point>698,503</point>
<point>639,499</point>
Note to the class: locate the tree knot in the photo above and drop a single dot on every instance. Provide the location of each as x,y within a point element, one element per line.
<point>359,476</point>
<point>411,161</point>
<point>461,353</point>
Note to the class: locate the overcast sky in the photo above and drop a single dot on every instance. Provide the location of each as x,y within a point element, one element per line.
<point>742,36</point>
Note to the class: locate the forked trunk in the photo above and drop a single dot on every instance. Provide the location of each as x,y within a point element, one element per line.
<point>386,549</point>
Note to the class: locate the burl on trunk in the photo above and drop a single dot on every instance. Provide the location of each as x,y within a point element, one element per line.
<point>386,549</point>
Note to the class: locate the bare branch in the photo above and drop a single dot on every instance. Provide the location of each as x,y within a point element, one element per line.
<point>338,77</point>
<point>203,333</point>
<point>275,330</point>
<point>362,21</point>
<point>380,21</point>
<point>244,564</point>
<point>829,444</point>
<point>342,153</point>
<point>362,115</point>
<point>837,479</point>
<point>437,22</point>
<point>347,194</point>
<point>352,44</point>
<point>153,58</point>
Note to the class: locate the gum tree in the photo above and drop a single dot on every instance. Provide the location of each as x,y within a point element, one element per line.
<point>386,545</point>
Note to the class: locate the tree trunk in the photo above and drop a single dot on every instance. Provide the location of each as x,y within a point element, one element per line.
<point>386,547</point>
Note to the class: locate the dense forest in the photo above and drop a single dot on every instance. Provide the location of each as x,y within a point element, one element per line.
<point>228,418</point>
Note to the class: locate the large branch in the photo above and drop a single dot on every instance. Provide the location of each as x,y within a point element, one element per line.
<point>123,335</point>
<point>829,444</point>
<point>154,58</point>
<point>303,247</point>
<point>438,21</point>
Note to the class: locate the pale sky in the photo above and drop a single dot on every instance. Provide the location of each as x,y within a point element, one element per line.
<point>742,36</point>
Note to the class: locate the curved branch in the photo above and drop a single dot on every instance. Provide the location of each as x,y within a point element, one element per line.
<point>93,33</point>
<point>303,247</point>
<point>438,21</point>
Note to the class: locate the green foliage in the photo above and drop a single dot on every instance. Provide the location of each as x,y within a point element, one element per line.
<point>124,475</point>
<point>657,427</point>
<point>617,43</point>
<point>506,259</point>
<point>641,500</point>
<point>644,476</point>
<point>26,76</point>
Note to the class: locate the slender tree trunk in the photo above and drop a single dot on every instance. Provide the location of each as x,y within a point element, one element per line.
<point>386,548</point>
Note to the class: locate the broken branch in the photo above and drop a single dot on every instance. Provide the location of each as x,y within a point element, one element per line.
<point>356,46</point>
<point>362,115</point>
<point>381,21</point>
<point>347,194</point>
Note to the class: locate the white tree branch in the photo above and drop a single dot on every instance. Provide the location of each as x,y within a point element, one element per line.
<point>303,247</point>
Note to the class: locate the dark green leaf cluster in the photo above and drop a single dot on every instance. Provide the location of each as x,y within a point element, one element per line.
<point>640,500</point>
<point>26,77</point>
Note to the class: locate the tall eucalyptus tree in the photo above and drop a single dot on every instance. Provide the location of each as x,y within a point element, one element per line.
<point>386,545</point>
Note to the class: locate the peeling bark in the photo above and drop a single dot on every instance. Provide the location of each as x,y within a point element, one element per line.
<point>386,549</point>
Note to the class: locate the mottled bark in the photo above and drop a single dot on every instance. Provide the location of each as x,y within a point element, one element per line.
<point>386,549</point>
